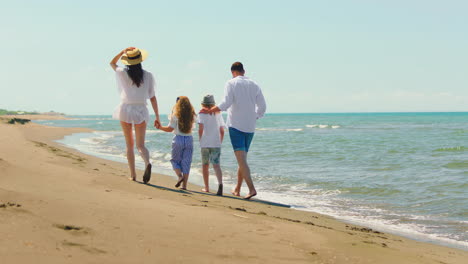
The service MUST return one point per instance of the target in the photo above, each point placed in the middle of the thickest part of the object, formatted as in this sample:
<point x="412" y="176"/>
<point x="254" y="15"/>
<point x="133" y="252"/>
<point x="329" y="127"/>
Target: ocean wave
<point x="457" y="165"/>
<point x="96" y="118"/>
<point x="361" y="190"/>
<point x="330" y="202"/>
<point x="154" y="131"/>
<point x="388" y="168"/>
<point x="107" y="133"/>
<point x="280" y="129"/>
<point x="99" y="137"/>
<point x="305" y="191"/>
<point x="452" y="149"/>
<point x="460" y="131"/>
<point x="323" y="126"/>
<point x="387" y="221"/>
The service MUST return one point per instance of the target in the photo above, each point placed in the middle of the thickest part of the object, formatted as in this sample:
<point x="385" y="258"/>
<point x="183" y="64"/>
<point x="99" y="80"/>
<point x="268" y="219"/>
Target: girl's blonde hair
<point x="185" y="114"/>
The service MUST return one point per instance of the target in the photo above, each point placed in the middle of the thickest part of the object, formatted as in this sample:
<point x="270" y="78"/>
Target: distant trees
<point x="9" y="112"/>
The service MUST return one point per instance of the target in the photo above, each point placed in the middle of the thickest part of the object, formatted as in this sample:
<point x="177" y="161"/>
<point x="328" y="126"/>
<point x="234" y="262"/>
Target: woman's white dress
<point x="132" y="108"/>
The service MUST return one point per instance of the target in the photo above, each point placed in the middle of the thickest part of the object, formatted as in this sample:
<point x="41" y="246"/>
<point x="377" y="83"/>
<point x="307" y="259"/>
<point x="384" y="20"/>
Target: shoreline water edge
<point x="105" y="144"/>
<point x="85" y="206"/>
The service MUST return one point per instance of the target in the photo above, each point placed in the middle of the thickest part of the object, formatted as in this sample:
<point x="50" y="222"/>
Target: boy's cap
<point x="208" y="100"/>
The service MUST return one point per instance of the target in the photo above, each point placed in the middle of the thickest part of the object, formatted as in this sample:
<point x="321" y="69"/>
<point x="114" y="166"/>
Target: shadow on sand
<point x="213" y="194"/>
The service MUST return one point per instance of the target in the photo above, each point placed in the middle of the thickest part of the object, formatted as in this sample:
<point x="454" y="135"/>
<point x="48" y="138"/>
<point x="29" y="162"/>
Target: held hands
<point x="157" y="124"/>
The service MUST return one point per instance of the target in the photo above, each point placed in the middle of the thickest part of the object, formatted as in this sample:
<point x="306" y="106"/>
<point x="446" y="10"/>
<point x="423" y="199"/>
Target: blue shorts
<point x="240" y="140"/>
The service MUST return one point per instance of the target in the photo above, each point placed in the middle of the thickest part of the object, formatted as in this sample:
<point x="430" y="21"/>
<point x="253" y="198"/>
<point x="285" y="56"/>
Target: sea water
<point x="404" y="173"/>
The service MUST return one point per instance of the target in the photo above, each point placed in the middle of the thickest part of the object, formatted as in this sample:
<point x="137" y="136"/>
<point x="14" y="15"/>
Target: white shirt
<point x="211" y="137"/>
<point x="244" y="101"/>
<point x="130" y="93"/>
<point x="174" y="123"/>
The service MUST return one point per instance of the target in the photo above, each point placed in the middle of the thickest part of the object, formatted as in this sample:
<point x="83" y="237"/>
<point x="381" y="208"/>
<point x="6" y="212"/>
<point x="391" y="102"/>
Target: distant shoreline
<point x="311" y="113"/>
<point x="36" y="117"/>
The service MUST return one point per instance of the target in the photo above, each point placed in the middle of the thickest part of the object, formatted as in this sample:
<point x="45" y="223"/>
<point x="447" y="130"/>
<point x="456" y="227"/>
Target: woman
<point x="135" y="86"/>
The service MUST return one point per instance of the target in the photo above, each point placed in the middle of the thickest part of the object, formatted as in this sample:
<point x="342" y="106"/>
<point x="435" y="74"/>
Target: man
<point x="244" y="102"/>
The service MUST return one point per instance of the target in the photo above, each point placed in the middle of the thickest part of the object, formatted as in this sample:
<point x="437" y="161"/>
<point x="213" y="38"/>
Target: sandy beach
<point x="61" y="206"/>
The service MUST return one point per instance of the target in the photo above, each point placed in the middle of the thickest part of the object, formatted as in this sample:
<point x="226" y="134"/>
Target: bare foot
<point x="205" y="190"/>
<point x="250" y="195"/>
<point x="179" y="182"/>
<point x="183" y="188"/>
<point x="220" y="190"/>
<point x="132" y="178"/>
<point x="147" y="175"/>
<point x="235" y="193"/>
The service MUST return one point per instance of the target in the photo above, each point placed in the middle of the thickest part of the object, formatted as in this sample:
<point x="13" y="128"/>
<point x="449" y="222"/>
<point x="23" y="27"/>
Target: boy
<point x="211" y="134"/>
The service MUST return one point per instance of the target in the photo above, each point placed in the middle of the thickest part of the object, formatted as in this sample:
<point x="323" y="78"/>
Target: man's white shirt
<point x="244" y="102"/>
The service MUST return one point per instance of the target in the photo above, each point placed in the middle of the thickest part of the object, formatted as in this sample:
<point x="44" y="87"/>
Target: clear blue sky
<point x="308" y="56"/>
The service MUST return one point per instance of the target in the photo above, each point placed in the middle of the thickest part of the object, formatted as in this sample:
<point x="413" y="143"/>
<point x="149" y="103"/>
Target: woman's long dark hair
<point x="135" y="72"/>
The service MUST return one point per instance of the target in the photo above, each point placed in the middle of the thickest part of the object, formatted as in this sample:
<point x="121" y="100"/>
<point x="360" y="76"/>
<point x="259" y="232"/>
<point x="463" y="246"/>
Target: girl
<point x="181" y="123"/>
<point x="135" y="86"/>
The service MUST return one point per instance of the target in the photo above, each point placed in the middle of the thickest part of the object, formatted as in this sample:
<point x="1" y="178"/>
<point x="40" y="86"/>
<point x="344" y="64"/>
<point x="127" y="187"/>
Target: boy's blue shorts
<point x="240" y="140"/>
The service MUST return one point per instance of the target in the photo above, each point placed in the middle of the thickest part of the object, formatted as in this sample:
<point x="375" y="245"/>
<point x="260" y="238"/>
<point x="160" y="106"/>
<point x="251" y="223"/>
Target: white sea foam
<point x="106" y="134"/>
<point x="154" y="131"/>
<point x="280" y="129"/>
<point x="99" y="137"/>
<point x="97" y="118"/>
<point x="322" y="126"/>
<point x="330" y="203"/>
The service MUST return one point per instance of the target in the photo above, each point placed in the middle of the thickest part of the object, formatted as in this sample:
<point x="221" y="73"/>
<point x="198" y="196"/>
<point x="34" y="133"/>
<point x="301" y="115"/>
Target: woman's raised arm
<point x="114" y="61"/>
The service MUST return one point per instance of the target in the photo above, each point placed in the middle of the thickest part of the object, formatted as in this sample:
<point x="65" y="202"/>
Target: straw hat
<point x="134" y="56"/>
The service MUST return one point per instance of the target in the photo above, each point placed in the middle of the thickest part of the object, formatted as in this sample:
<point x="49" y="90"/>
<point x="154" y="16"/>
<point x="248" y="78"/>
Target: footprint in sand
<point x="9" y="204"/>
<point x="83" y="247"/>
<point x="74" y="230"/>
<point x="3" y="163"/>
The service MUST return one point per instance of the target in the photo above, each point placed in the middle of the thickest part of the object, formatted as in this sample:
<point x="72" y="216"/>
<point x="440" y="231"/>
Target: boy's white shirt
<point x="211" y="137"/>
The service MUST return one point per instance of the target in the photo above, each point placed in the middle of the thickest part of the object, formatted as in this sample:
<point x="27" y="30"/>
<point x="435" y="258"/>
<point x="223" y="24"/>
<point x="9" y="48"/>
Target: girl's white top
<point x="132" y="108"/>
<point x="174" y="123"/>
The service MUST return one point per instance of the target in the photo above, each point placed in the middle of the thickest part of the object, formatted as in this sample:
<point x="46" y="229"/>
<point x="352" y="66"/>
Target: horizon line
<point x="285" y="113"/>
